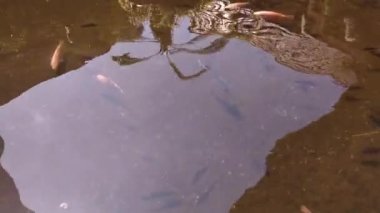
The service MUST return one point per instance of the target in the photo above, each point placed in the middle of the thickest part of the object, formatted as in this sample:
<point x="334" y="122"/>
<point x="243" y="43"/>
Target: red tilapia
<point x="272" y="16"/>
<point x="57" y="57"/>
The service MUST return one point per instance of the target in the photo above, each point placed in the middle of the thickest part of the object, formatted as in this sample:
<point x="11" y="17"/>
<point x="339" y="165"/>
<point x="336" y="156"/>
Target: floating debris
<point x="126" y="59"/>
<point x="348" y="30"/>
<point x="67" y="29"/>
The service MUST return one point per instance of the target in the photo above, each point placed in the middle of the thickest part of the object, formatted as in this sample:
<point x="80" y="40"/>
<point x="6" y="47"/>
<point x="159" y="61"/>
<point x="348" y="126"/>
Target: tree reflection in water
<point x="162" y="21"/>
<point x="301" y="52"/>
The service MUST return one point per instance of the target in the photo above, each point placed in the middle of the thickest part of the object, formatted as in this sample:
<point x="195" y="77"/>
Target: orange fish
<point x="237" y="5"/>
<point x="304" y="209"/>
<point x="104" y="80"/>
<point x="57" y="57"/>
<point x="272" y="16"/>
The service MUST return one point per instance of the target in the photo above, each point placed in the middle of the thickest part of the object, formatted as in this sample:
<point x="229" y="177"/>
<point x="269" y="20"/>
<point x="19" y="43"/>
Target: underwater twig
<point x="193" y="40"/>
<point x="214" y="47"/>
<point x="367" y="133"/>
<point x="67" y="29"/>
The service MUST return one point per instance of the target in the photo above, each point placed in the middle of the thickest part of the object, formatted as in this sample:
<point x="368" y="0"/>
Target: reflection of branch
<point x="193" y="40"/>
<point x="128" y="60"/>
<point x="179" y="73"/>
<point x="214" y="47"/>
<point x="147" y="40"/>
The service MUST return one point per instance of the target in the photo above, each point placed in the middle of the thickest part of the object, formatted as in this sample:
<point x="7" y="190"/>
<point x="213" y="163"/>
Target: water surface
<point x="149" y="140"/>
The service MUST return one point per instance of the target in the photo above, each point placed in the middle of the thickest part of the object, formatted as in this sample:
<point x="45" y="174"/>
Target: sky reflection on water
<point x="164" y="144"/>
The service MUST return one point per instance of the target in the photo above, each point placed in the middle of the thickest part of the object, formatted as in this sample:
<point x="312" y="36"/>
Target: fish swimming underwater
<point x="57" y="57"/>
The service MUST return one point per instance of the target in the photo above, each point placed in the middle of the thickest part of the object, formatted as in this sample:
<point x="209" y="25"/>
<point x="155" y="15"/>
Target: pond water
<point x="146" y="115"/>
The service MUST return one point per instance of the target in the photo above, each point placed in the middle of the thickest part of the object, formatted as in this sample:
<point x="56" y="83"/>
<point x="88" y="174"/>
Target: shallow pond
<point x="146" y="114"/>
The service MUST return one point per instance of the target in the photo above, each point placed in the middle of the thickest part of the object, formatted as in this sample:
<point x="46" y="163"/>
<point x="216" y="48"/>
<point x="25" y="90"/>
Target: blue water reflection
<point x="78" y="144"/>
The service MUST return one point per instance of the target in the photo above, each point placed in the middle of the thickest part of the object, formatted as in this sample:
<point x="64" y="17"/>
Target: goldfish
<point x="57" y="58"/>
<point x="272" y="16"/>
<point x="105" y="80"/>
<point x="304" y="209"/>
